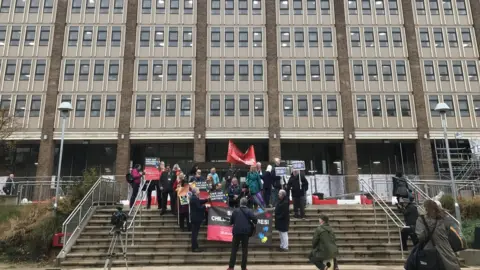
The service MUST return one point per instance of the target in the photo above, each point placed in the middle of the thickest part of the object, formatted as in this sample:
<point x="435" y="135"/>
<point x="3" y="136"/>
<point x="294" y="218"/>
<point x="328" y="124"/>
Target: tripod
<point x="117" y="234"/>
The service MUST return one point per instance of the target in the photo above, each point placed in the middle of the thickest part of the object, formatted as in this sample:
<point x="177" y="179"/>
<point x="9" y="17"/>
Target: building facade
<point x="347" y="84"/>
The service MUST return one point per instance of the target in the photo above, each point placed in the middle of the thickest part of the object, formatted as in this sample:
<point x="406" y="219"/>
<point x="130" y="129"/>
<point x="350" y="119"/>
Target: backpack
<point x="428" y="259"/>
<point x="456" y="238"/>
<point x="129" y="178"/>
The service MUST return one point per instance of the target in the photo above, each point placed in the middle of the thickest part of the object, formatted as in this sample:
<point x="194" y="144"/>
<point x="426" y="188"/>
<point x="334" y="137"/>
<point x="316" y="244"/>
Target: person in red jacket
<point x="137" y="179"/>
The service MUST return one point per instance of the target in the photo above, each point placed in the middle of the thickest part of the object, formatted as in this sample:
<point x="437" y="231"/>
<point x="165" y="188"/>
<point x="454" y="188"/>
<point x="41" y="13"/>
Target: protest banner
<point x="151" y="168"/>
<point x="218" y="199"/>
<point x="202" y="188"/>
<point x="280" y="171"/>
<point x="298" y="165"/>
<point x="219" y="228"/>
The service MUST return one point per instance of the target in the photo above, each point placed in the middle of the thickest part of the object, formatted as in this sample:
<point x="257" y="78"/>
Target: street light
<point x="442" y="108"/>
<point x="64" y="108"/>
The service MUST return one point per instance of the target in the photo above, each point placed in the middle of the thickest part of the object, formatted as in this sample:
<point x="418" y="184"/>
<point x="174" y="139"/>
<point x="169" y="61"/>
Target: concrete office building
<point x="349" y="85"/>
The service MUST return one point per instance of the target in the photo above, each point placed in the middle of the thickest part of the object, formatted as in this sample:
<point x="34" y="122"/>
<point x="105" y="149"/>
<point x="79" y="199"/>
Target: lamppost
<point x="64" y="108"/>
<point x="442" y="108"/>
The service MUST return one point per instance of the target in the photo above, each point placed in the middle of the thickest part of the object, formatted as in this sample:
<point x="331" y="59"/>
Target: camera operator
<point x="119" y="220"/>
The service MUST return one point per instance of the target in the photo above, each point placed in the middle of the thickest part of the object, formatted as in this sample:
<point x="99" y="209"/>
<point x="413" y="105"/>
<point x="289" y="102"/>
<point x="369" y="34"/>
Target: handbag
<point x="428" y="259"/>
<point x="456" y="238"/>
<point x="253" y="226"/>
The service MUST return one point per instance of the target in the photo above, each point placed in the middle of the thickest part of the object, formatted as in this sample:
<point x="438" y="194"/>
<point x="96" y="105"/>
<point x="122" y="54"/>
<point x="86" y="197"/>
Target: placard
<point x="151" y="168"/>
<point x="218" y="199"/>
<point x="280" y="171"/>
<point x="298" y="165"/>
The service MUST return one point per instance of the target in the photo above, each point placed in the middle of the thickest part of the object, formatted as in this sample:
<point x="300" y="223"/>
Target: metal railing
<point x="389" y="213"/>
<point x="103" y="192"/>
<point x="41" y="190"/>
<point x="132" y="214"/>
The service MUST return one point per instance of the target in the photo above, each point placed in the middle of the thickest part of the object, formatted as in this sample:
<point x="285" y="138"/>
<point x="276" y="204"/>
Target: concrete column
<point x="423" y="146"/>
<point x="199" y="142"/>
<point x="123" y="142"/>
<point x="475" y="9"/>
<point x="273" y="97"/>
<point x="122" y="165"/>
<point x="350" y="164"/>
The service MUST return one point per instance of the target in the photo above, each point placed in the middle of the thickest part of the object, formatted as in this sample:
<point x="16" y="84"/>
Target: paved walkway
<point x="266" y="267"/>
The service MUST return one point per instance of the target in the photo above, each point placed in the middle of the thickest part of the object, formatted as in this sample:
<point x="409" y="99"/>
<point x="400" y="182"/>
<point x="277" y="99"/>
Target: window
<point x="317" y="106"/>
<point x="393" y="7"/>
<point x="457" y="70"/>
<point x="111" y="106"/>
<point x="287" y="105"/>
<point x="5" y="104"/>
<point x="257" y="37"/>
<point x="327" y="37"/>
<point x="352" y="7"/>
<point x="84" y="70"/>
<point x="229" y="37"/>
<point x="366" y="8"/>
<point x="188" y="6"/>
<point x="215" y="71"/>
<point x="372" y="70"/>
<point x="157" y="70"/>
<point x="80" y="106"/>
<point x="160" y="7"/>
<point x="286" y="71"/>
<point x="376" y="106"/>
<point x="300" y="70"/>
<point x="424" y="37"/>
<point x="185" y="105"/>
<point x="361" y="106"/>
<point x="34" y="5"/>
<point x="87" y="36"/>
<point x="215" y="105"/>
<point x="462" y="9"/>
<point x="472" y="70"/>
<point x="69" y="70"/>
<point x="186" y="70"/>
<point x="95" y="106"/>
<point x="73" y="36"/>
<point x="215" y="7"/>
<point x="369" y="38"/>
<point x="187" y="36"/>
<point x="76" y="6"/>
<point x="476" y="105"/>
<point x="243" y="7"/>
<point x="391" y="106"/>
<point x="116" y="36"/>
<point x="355" y="37"/>
<point x="397" y="37"/>
<point x="174" y="6"/>
<point x="302" y="104"/>
<point x="155" y="106"/>
<point x="29" y="35"/>
<point x="405" y="105"/>
<point x="429" y="71"/>
<point x="256" y="7"/>
<point x="229" y="7"/>
<point x="383" y="36"/>
<point x="140" y="106"/>
<point x="229" y="105"/>
<point x="118" y="6"/>
<point x="102" y="36"/>
<point x="358" y="70"/>
<point x="438" y="37"/>
<point x="243" y="70"/>
<point x="5" y="6"/>
<point x="35" y="106"/>
<point x="285" y="37"/>
<point x="433" y="7"/>
<point x="229" y="70"/>
<point x="10" y="70"/>
<point x="329" y="70"/>
<point x="244" y="105"/>
<point x="20" y="105"/>
<point x="443" y="71"/>
<point x="379" y="7"/>
<point x="449" y="101"/>
<point x="25" y="70"/>
<point x="387" y="70"/>
<point x="15" y="35"/>
<point x="297" y="7"/>
<point x="146" y="6"/>
<point x="312" y="37"/>
<point x="215" y="37"/>
<point x="257" y="70"/>
<point x="145" y="37"/>
<point x="104" y="6"/>
<point x="48" y="6"/>
<point x="284" y="7"/>
<point x="40" y="70"/>
<point x="463" y="106"/>
<point x="243" y="37"/>
<point x="258" y="105"/>
<point x="325" y="6"/>
<point x="113" y="70"/>
<point x="314" y="70"/>
<point x="98" y="70"/>
<point x="311" y="7"/>
<point x="447" y="7"/>
<point x="332" y="105"/>
<point x="172" y="70"/>
<point x="90" y="7"/>
<point x="44" y="35"/>
<point x="452" y="37"/>
<point x="432" y="102"/>
<point x="466" y="38"/>
<point x="173" y="37"/>
<point x="3" y="34"/>
<point x="159" y="37"/>
<point x="401" y="70"/>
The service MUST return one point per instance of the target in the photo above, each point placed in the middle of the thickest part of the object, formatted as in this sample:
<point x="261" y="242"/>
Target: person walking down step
<point x="282" y="219"/>
<point x="197" y="212"/>
<point x="242" y="220"/>
<point x="324" y="246"/>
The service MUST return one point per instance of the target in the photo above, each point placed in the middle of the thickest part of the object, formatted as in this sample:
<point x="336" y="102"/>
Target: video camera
<point x="119" y="220"/>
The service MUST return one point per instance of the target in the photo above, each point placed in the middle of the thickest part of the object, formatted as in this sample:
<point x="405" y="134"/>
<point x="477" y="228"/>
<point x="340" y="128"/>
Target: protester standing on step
<point x="234" y="193"/>
<point x="137" y="180"/>
<point x="166" y="185"/>
<point x="282" y="219"/>
<point x="268" y="180"/>
<point x="254" y="183"/>
<point x="276" y="182"/>
<point x="410" y="216"/>
<point x="183" y="211"/>
<point x="197" y="212"/>
<point x="324" y="246"/>
<point x="298" y="185"/>
<point x="241" y="220"/>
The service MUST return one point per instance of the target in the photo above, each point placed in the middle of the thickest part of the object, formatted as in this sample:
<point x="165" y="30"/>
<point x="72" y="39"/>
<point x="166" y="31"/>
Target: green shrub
<point x="448" y="203"/>
<point x="470" y="208"/>
<point x="468" y="229"/>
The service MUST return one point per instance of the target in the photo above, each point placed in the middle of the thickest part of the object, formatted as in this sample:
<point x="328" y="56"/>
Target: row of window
<point x="299" y="36"/>
<point x="28" y="35"/>
<point x="377" y="103"/>
<point x="313" y="68"/>
<point x="84" y="69"/>
<point x="373" y="70"/>
<point x="445" y="68"/>
<point x="244" y="70"/>
<point x="33" y="6"/>
<point x="366" y="6"/>
<point x="242" y="7"/>
<point x="308" y="6"/>
<point x="97" y="35"/>
<point x="369" y="33"/>
<point x="20" y="109"/>
<point x="158" y="38"/>
<point x="447" y="6"/>
<point x="245" y="35"/>
<point x="230" y="105"/>
<point x="451" y="34"/>
<point x="156" y="67"/>
<point x="27" y="67"/>
<point x="90" y="6"/>
<point x="174" y="6"/>
<point x="316" y="102"/>
<point x="463" y="102"/>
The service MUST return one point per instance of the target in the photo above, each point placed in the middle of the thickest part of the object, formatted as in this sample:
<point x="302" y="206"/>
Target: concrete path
<point x="266" y="267"/>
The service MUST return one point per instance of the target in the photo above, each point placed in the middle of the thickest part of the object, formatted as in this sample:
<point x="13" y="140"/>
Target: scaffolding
<point x="465" y="164"/>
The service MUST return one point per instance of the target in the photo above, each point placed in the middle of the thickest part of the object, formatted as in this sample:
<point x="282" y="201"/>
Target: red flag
<point x="249" y="157"/>
<point x="235" y="156"/>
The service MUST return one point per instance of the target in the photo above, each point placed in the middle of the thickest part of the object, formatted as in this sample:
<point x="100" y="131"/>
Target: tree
<point x="8" y="125"/>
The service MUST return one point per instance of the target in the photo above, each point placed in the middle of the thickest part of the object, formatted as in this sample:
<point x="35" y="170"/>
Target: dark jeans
<point x="267" y="192"/>
<point x="408" y="232"/>
<point x="135" y="188"/>
<point x="165" y="200"/>
<point x="195" y="230"/>
<point x="237" y="239"/>
<point x="183" y="217"/>
<point x="299" y="206"/>
<point x="173" y="202"/>
<point x="153" y="186"/>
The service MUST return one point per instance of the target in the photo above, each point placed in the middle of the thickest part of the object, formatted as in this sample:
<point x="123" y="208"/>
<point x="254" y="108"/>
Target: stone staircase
<point x="159" y="241"/>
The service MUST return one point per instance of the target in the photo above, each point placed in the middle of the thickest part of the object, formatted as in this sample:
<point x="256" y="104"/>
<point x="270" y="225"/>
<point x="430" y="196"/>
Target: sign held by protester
<point x="298" y="165"/>
<point x="218" y="199"/>
<point x="151" y="168"/>
<point x="280" y="171"/>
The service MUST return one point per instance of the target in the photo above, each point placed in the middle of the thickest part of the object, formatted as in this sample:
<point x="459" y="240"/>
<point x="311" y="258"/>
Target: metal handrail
<point x="135" y="210"/>
<point x="388" y="212"/>
<point x="22" y="184"/>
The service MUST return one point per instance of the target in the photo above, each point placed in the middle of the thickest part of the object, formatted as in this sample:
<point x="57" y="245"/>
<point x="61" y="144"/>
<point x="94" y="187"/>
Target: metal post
<point x="454" y="188"/>
<point x="401" y="156"/>
<point x="64" y="117"/>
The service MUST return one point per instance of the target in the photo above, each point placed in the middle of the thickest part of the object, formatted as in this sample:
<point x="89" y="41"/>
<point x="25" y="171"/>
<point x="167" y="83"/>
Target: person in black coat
<point x="234" y="194"/>
<point x="231" y="173"/>
<point x="282" y="219"/>
<point x="268" y="180"/>
<point x="197" y="212"/>
<point x="276" y="182"/>
<point x="410" y="215"/>
<point x="241" y="220"/>
<point x="400" y="187"/>
<point x="166" y="186"/>
<point x="298" y="185"/>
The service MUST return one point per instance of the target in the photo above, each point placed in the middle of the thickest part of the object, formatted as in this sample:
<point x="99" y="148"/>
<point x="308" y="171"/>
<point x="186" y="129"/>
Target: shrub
<point x="470" y="208"/>
<point x="448" y="203"/>
<point x="468" y="229"/>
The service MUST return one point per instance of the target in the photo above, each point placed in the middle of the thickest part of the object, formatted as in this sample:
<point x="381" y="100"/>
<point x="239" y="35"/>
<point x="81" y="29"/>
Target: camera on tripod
<point x="119" y="220"/>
